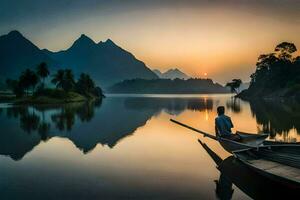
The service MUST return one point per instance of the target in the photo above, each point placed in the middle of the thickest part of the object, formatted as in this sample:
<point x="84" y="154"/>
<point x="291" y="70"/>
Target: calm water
<point x="126" y="148"/>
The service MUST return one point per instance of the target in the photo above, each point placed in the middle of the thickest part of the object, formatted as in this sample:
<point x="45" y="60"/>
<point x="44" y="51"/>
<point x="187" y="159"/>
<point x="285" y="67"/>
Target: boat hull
<point x="279" y="163"/>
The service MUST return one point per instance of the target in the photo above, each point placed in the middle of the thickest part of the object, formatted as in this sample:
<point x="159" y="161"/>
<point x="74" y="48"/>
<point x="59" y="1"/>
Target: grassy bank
<point x="49" y="96"/>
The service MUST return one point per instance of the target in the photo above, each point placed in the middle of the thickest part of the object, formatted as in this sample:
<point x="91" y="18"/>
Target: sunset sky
<point x="213" y="37"/>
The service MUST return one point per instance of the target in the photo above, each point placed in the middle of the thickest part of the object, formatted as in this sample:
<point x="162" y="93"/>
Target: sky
<point x="222" y="38"/>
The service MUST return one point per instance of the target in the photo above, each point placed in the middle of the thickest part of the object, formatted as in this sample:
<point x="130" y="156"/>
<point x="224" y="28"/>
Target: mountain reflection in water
<point x="126" y="147"/>
<point x="91" y="123"/>
<point x="116" y="119"/>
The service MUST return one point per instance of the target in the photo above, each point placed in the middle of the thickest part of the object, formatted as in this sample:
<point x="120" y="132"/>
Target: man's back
<point x="223" y="125"/>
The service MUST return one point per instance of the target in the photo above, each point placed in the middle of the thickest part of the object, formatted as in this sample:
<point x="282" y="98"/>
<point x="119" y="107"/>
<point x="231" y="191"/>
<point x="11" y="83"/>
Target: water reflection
<point x="116" y="119"/>
<point x="251" y="183"/>
<point x="234" y="104"/>
<point x="277" y="118"/>
<point x="91" y="123"/>
<point x="173" y="106"/>
<point x="129" y="147"/>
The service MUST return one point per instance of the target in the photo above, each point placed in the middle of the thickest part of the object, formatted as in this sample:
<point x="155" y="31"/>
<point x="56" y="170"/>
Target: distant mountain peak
<point x="174" y="70"/>
<point x="83" y="42"/>
<point x="109" y="42"/>
<point x="15" y="33"/>
<point x="85" y="39"/>
<point x="171" y="74"/>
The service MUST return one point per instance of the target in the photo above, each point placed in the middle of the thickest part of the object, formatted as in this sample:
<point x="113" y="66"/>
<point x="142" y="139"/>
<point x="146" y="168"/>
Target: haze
<point x="220" y="39"/>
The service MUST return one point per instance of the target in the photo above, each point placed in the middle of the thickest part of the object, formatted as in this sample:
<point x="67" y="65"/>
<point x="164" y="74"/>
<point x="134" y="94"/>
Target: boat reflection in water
<point x="256" y="186"/>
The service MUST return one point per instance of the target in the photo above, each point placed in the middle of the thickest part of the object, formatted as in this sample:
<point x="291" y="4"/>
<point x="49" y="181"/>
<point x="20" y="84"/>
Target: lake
<point x="125" y="147"/>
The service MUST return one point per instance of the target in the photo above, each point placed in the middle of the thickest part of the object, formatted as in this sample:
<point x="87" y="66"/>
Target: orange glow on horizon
<point x="221" y="41"/>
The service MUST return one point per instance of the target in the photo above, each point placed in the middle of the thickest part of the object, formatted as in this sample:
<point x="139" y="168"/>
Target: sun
<point x="205" y="74"/>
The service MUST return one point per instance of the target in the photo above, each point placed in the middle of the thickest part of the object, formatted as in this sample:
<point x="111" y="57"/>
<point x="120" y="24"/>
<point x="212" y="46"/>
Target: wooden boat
<point x="278" y="162"/>
<point x="246" y="141"/>
<point x="247" y="180"/>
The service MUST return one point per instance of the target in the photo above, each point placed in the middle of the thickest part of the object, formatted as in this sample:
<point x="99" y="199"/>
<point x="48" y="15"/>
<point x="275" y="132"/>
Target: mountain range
<point x="106" y="62"/>
<point x="171" y="74"/>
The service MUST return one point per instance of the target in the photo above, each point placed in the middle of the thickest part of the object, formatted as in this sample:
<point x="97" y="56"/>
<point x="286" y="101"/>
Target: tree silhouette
<point x="85" y="84"/>
<point x="64" y="79"/>
<point x="43" y="72"/>
<point x="58" y="78"/>
<point x="68" y="82"/>
<point x="234" y="85"/>
<point x="285" y="50"/>
<point x="28" y="79"/>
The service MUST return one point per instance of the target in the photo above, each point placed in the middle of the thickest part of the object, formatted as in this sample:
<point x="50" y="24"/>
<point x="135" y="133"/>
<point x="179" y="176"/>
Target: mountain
<point x="105" y="61"/>
<point x="171" y="74"/>
<point x="158" y="73"/>
<point x="17" y="53"/>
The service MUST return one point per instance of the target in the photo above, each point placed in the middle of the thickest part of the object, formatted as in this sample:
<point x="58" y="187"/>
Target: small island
<point x="31" y="87"/>
<point x="277" y="76"/>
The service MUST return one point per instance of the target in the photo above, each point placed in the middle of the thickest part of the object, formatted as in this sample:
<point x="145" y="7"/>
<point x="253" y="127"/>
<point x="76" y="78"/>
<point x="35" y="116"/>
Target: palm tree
<point x="42" y="71"/>
<point x="85" y="84"/>
<point x="234" y="85"/>
<point x="69" y="82"/>
<point x="28" y="79"/>
<point x="58" y="78"/>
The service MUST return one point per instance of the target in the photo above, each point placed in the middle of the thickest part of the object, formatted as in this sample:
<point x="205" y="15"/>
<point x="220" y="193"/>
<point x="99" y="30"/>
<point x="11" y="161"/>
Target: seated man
<point x="223" y="125"/>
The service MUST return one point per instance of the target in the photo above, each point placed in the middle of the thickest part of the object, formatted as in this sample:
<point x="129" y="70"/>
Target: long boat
<point x="247" y="140"/>
<point x="280" y="163"/>
<point x="250" y="182"/>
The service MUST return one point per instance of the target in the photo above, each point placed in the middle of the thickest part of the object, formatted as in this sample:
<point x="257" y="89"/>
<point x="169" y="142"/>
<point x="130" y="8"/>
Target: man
<point x="223" y="125"/>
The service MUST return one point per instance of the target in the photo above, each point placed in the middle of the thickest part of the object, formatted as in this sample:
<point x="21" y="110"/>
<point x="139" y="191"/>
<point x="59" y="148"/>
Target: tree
<point x="64" y="79"/>
<point x="85" y="84"/>
<point x="234" y="85"/>
<point x="69" y="82"/>
<point x="42" y="71"/>
<point x="285" y="50"/>
<point x="28" y="79"/>
<point x="58" y="78"/>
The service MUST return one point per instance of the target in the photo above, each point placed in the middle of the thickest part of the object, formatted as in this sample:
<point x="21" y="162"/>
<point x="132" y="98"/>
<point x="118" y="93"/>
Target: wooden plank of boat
<point x="278" y="162"/>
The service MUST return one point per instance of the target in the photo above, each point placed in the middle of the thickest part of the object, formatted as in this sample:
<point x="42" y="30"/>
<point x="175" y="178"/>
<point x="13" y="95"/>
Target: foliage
<point x="234" y="85"/>
<point x="69" y="82"/>
<point x="63" y="80"/>
<point x="276" y="70"/>
<point x="28" y="79"/>
<point x="42" y="71"/>
<point x="86" y="86"/>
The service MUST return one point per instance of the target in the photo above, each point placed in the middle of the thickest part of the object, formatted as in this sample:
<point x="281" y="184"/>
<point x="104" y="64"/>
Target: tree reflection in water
<point x="58" y="121"/>
<point x="114" y="120"/>
<point x="234" y="104"/>
<point x="276" y="117"/>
